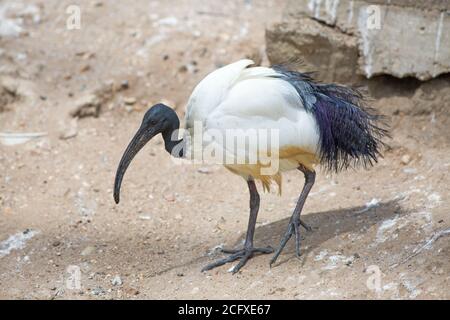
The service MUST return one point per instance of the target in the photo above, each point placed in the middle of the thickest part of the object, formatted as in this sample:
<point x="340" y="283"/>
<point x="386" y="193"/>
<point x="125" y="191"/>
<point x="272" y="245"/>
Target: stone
<point x="410" y="42"/>
<point x="16" y="16"/>
<point x="87" y="251"/>
<point x="406" y="159"/>
<point x="15" y="89"/>
<point x="131" y="291"/>
<point x="85" y="106"/>
<point x="330" y="53"/>
<point x="170" y="197"/>
<point x="98" y="291"/>
<point x="129" y="100"/>
<point x="116" y="281"/>
<point x="195" y="290"/>
<point x="69" y="130"/>
<point x="413" y="40"/>
<point x="204" y="170"/>
<point x="89" y="104"/>
<point x="124" y="85"/>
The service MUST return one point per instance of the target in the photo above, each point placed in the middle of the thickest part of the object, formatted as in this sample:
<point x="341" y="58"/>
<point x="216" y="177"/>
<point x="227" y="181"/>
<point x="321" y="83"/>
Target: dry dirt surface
<point x="380" y="233"/>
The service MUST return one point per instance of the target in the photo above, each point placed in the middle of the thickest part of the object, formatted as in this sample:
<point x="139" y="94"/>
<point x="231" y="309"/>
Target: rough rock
<point x="7" y="95"/>
<point x="401" y="38"/>
<point x="89" y="104"/>
<point x="85" y="106"/>
<point x="330" y="53"/>
<point x="98" y="291"/>
<point x="14" y="89"/>
<point x="87" y="251"/>
<point x="129" y="100"/>
<point x="117" y="281"/>
<point x="69" y="130"/>
<point x="14" y="16"/>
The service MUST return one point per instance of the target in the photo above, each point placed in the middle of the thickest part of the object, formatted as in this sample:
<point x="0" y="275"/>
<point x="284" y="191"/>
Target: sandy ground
<point x="381" y="233"/>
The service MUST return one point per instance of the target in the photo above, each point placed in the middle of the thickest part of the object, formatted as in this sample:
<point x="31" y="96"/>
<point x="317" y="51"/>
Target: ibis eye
<point x="153" y="122"/>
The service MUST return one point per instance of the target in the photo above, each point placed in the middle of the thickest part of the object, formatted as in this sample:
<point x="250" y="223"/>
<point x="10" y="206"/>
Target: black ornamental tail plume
<point x="351" y="132"/>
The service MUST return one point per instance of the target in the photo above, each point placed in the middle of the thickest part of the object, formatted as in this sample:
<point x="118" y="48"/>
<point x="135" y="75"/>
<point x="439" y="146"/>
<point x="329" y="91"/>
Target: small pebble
<point x="117" y="281"/>
<point x="406" y="159"/>
<point x="130" y="100"/>
<point x="87" y="251"/>
<point x="203" y="170"/>
<point x="124" y="85"/>
<point x="131" y="291"/>
<point x="195" y="290"/>
<point x="98" y="291"/>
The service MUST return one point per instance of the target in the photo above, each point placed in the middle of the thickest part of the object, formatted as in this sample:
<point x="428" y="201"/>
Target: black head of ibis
<point x="158" y="119"/>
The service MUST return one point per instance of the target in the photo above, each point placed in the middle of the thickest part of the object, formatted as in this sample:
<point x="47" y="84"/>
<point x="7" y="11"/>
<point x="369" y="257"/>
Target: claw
<point x="305" y="225"/>
<point x="293" y="228"/>
<point x="295" y="222"/>
<point x="243" y="254"/>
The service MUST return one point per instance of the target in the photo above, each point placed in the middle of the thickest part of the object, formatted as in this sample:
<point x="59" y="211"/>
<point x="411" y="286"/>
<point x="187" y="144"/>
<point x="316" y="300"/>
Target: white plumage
<point x="238" y="97"/>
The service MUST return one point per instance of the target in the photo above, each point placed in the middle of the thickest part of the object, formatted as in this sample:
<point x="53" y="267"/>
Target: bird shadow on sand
<point x="325" y="226"/>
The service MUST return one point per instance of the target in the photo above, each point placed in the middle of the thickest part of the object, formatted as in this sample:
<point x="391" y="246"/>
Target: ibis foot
<point x="243" y="255"/>
<point x="305" y="225"/>
<point x="295" y="222"/>
<point x="293" y="228"/>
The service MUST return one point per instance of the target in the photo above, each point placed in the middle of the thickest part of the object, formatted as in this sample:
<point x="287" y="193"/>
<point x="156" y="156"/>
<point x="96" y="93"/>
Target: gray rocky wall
<point x="349" y="40"/>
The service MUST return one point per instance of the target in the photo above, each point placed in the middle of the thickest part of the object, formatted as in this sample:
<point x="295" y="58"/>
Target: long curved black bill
<point x="139" y="140"/>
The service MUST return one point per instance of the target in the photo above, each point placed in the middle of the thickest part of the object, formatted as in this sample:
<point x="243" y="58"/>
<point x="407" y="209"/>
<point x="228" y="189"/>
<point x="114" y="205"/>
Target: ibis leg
<point x="295" y="222"/>
<point x="244" y="254"/>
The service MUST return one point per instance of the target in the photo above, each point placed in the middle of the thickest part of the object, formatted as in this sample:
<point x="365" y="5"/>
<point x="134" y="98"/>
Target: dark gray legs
<point x="295" y="222"/>
<point x="293" y="228"/>
<point x="248" y="251"/>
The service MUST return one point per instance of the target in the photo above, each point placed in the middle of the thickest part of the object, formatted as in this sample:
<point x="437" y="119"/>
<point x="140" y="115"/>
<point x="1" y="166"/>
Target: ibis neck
<point x="176" y="147"/>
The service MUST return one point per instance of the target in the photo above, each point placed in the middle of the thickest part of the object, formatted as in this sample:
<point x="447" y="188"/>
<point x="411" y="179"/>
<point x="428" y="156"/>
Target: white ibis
<point x="317" y="123"/>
